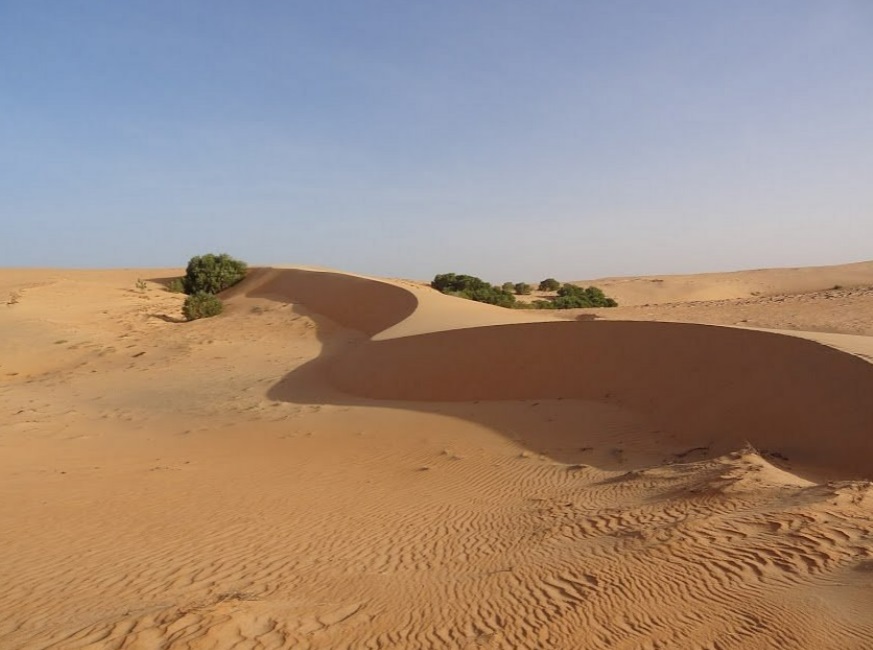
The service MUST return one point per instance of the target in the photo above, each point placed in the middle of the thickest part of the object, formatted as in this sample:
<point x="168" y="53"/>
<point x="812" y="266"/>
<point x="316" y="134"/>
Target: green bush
<point x="472" y="288"/>
<point x="453" y="283"/>
<point x="572" y="297"/>
<point x="212" y="273"/>
<point x="569" y="295"/>
<point x="176" y="285"/>
<point x="492" y="296"/>
<point x="202" y="305"/>
<point x="549" y="284"/>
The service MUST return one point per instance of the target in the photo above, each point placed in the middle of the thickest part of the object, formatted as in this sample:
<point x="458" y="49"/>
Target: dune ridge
<point x="381" y="309"/>
<point x="717" y="386"/>
<point x="354" y="302"/>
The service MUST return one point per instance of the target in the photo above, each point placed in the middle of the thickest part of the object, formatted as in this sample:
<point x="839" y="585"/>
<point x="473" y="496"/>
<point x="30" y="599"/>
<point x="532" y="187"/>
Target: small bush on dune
<point x="202" y="305"/>
<point x="176" y="285"/>
<point x="492" y="296"/>
<point x="572" y="297"/>
<point x="212" y="273"/>
<point x="205" y="276"/>
<point x="549" y="284"/>
<point x="522" y="289"/>
<point x="454" y="283"/>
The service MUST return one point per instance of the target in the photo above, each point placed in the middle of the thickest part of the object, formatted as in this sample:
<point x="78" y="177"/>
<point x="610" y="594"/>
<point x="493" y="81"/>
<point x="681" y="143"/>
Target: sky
<point x="509" y="139"/>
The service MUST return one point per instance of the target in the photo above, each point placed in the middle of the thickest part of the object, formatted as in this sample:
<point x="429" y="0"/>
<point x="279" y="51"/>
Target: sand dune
<point x="380" y="309"/>
<point x="345" y="462"/>
<point x="349" y="301"/>
<point x="661" y="289"/>
<point x="839" y="311"/>
<point x="713" y="386"/>
<point x="710" y="386"/>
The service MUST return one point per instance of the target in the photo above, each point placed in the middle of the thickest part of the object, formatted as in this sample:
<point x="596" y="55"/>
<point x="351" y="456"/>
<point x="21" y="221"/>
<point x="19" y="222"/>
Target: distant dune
<point x="660" y="289"/>
<point x="349" y="462"/>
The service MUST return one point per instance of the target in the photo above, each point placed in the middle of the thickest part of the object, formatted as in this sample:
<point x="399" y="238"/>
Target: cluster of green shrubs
<point x="473" y="288"/>
<point x="569" y="296"/>
<point x="572" y="297"/>
<point x="205" y="276"/>
<point x="518" y="288"/>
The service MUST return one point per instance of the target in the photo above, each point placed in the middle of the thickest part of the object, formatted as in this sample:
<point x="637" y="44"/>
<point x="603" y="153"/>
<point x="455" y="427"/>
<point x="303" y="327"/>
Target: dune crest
<point x="715" y="386"/>
<point x="350" y="301"/>
<point x="381" y="309"/>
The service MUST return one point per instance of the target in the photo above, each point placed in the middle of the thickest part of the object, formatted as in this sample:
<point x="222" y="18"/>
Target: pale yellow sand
<point x="338" y="462"/>
<point x="660" y="289"/>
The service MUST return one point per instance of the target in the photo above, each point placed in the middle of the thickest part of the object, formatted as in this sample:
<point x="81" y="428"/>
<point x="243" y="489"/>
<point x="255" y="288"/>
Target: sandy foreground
<point x="343" y="462"/>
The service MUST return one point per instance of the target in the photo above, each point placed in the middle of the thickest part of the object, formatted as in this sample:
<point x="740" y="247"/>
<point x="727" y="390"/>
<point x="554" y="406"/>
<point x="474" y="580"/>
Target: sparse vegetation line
<point x="567" y="296"/>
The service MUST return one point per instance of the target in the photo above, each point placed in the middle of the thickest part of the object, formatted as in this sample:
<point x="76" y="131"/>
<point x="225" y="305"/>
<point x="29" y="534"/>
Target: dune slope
<point x="704" y="385"/>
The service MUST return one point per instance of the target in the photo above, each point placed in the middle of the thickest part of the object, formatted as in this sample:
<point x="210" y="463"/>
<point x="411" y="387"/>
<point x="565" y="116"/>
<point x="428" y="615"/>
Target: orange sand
<point x="343" y="462"/>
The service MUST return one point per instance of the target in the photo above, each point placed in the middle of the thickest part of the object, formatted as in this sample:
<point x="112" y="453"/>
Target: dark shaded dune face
<point x="356" y="303"/>
<point x="697" y="383"/>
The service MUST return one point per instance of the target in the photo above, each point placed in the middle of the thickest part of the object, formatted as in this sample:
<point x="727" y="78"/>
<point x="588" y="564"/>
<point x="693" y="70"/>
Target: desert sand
<point x="348" y="462"/>
<point x="707" y="287"/>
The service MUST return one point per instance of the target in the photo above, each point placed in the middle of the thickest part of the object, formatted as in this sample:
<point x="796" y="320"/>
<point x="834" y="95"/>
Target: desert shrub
<point x="568" y="290"/>
<point x="202" y="305"/>
<point x="508" y="287"/>
<point x="569" y="295"/>
<point x="453" y="283"/>
<point x="472" y="288"/>
<point x="522" y="289"/>
<point x="549" y="284"/>
<point x="176" y="285"/>
<point x="572" y="297"/>
<point x="569" y="302"/>
<point x="212" y="273"/>
<point x="492" y="296"/>
<point x="141" y="285"/>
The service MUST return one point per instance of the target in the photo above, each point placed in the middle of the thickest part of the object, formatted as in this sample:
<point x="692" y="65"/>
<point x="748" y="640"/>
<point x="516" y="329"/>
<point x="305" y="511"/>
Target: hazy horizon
<point x="508" y="140"/>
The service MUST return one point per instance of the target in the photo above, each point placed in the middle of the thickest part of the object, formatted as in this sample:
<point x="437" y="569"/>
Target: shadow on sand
<point x="684" y="389"/>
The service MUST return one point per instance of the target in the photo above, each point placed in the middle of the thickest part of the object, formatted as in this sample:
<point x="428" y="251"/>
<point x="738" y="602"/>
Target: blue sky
<point x="508" y="139"/>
